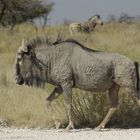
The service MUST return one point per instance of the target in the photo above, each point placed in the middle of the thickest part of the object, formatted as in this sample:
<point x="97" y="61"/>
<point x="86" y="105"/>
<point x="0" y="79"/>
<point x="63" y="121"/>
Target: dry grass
<point x="23" y="106"/>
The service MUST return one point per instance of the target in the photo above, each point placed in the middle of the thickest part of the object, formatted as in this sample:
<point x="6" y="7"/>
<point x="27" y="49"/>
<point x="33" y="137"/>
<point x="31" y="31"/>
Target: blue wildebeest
<point x="87" y="26"/>
<point x="68" y="64"/>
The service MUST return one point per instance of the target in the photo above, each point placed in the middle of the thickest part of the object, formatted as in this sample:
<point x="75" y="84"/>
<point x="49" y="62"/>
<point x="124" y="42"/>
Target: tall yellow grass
<point x="25" y="107"/>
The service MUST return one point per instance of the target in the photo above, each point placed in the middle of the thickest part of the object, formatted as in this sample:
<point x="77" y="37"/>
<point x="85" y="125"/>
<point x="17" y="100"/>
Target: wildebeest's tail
<point x="137" y="75"/>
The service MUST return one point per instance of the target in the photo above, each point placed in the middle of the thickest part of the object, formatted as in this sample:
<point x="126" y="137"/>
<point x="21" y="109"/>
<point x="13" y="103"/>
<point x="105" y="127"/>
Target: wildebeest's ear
<point x="23" y="47"/>
<point x="59" y="39"/>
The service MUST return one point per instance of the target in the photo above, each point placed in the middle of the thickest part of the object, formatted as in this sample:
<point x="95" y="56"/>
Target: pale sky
<point x="81" y="10"/>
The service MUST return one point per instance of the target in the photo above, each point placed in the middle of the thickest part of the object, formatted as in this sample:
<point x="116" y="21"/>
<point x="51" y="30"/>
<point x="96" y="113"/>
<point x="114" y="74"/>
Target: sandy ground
<point x="61" y="134"/>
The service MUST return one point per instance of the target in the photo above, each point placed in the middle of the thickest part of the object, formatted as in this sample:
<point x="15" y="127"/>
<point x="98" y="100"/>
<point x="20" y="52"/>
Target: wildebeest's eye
<point x="18" y="59"/>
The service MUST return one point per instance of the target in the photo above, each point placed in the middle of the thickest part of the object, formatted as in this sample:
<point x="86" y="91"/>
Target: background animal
<point x="68" y="64"/>
<point x="86" y="27"/>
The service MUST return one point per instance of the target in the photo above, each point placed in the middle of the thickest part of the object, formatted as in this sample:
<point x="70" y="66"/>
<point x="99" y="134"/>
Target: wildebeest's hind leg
<point x="138" y="101"/>
<point x="55" y="94"/>
<point x="67" y="90"/>
<point x="113" y="95"/>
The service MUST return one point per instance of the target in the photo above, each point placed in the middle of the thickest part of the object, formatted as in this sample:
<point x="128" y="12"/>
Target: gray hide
<point x="70" y="65"/>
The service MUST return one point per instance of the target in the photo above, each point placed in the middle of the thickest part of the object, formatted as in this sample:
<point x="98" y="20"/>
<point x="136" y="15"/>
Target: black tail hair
<point x="137" y="75"/>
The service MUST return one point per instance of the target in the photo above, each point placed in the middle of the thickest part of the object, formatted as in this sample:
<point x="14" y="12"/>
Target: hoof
<point x="70" y="127"/>
<point x="99" y="128"/>
<point x="57" y="124"/>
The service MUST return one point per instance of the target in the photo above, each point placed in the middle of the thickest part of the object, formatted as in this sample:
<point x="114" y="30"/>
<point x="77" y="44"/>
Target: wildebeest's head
<point x="96" y="19"/>
<point x="26" y="70"/>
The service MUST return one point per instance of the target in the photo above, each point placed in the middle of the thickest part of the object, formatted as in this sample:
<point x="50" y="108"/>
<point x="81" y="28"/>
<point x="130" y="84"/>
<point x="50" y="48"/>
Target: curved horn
<point x="23" y="47"/>
<point x="23" y="42"/>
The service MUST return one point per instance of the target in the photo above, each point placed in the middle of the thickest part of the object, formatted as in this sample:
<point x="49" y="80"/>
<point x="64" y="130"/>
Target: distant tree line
<point x="124" y="17"/>
<point x="13" y="12"/>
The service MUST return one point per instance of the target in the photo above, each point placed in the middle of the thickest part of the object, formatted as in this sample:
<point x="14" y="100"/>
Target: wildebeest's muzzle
<point x="19" y="80"/>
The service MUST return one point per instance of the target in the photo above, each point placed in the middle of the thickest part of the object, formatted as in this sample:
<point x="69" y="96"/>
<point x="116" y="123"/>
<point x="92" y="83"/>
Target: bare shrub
<point x="111" y="18"/>
<point x="125" y="18"/>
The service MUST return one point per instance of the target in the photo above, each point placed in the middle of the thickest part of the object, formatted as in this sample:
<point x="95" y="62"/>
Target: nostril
<point x="18" y="77"/>
<point x="19" y="80"/>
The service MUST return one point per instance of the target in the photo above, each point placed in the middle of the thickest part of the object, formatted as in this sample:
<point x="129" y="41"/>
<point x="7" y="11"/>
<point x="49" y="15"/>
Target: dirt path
<point x="79" y="134"/>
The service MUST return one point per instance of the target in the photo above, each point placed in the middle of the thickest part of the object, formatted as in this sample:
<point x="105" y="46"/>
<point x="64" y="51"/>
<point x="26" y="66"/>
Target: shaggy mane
<point x="45" y="41"/>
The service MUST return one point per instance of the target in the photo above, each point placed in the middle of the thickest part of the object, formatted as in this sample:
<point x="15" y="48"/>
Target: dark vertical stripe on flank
<point x="137" y="74"/>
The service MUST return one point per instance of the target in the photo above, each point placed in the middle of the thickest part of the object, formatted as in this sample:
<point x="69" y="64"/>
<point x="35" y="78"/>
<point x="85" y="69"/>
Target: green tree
<point x="14" y="12"/>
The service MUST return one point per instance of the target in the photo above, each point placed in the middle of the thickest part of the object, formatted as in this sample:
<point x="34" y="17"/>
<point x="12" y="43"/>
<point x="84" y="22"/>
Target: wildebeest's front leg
<point x="67" y="90"/>
<point x="113" y="95"/>
<point x="55" y="94"/>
